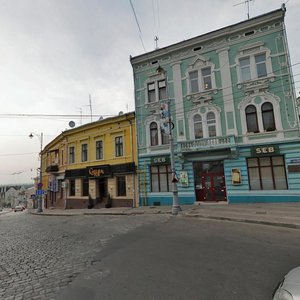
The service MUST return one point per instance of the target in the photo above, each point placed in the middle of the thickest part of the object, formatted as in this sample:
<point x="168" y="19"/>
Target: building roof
<point x="231" y="29"/>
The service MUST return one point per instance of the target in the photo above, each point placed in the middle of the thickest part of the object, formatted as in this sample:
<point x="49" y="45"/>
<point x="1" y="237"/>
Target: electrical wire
<point x="138" y="25"/>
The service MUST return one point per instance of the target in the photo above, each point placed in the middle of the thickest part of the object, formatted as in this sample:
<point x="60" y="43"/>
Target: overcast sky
<point x="55" y="53"/>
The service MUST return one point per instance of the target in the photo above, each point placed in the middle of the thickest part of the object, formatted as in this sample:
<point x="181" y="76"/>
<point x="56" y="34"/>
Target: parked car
<point x="289" y="287"/>
<point x="19" y="208"/>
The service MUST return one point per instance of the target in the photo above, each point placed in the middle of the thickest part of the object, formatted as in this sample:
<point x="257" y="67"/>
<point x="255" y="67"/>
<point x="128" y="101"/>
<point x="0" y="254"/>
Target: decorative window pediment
<point x="200" y="77"/>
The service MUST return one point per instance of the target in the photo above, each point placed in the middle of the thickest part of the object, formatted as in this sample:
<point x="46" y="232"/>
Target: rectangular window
<point x="245" y="68"/>
<point x="84" y="152"/>
<point x="267" y="173"/>
<point x="99" y="150"/>
<point x="261" y="68"/>
<point x="121" y="186"/>
<point x="206" y="78"/>
<point x="71" y="187"/>
<point x="161" y="178"/>
<point x="194" y="82"/>
<point x="85" y="186"/>
<point x="162" y="90"/>
<point x="71" y="155"/>
<point x="119" y="146"/>
<point x="151" y="92"/>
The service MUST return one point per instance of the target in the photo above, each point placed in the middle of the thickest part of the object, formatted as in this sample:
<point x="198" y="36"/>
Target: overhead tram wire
<point x="41" y="116"/>
<point x="138" y="25"/>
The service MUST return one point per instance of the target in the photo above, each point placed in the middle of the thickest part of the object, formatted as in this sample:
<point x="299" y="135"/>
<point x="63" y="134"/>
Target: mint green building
<point x="228" y="97"/>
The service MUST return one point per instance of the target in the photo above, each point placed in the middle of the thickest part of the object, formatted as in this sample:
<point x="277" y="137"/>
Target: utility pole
<point x="167" y="114"/>
<point x="40" y="183"/>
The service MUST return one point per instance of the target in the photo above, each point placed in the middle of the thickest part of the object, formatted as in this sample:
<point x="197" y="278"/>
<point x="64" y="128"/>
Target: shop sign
<point x="265" y="150"/>
<point x="294" y="168"/>
<point x="184" y="179"/>
<point x="236" y="176"/>
<point x="295" y="161"/>
<point x="161" y="160"/>
<point x="99" y="171"/>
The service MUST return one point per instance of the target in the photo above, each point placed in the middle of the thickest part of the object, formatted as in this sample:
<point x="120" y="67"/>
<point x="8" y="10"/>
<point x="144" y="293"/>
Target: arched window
<point x="251" y="119"/>
<point x="153" y="134"/>
<point x="198" y="128"/>
<point x="268" y="116"/>
<point x="211" y="124"/>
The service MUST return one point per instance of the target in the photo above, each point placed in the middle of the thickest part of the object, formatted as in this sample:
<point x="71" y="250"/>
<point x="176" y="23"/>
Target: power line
<point x="3" y="115"/>
<point x="138" y="25"/>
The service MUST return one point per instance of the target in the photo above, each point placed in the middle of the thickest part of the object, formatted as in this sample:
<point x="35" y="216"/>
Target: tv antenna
<point x="156" y="42"/>
<point x="248" y="8"/>
<point x="80" y="110"/>
<point x="90" y="105"/>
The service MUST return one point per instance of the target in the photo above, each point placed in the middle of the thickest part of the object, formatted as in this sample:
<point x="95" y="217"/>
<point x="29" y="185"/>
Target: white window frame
<point x="198" y="66"/>
<point x="159" y="132"/>
<point x="252" y="100"/>
<point x="157" y="82"/>
<point x="252" y="53"/>
<point x="204" y="122"/>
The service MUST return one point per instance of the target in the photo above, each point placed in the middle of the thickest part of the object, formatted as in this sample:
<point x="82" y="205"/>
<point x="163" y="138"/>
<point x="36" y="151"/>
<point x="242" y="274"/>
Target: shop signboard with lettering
<point x="100" y="171"/>
<point x="267" y="150"/>
<point x="160" y="160"/>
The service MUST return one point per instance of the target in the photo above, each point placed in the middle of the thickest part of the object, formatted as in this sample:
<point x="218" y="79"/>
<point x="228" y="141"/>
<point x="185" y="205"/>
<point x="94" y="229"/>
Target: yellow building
<point x="93" y="165"/>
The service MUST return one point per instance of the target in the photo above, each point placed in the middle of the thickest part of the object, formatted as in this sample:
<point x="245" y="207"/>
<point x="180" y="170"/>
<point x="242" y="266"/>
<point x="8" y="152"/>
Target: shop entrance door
<point x="102" y="188"/>
<point x="213" y="187"/>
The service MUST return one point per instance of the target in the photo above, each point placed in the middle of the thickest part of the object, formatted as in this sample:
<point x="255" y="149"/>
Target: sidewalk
<point x="276" y="214"/>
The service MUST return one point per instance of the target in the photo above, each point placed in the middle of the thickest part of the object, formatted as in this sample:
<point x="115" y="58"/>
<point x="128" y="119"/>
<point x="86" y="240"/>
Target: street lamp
<point x="40" y="185"/>
<point x="175" y="207"/>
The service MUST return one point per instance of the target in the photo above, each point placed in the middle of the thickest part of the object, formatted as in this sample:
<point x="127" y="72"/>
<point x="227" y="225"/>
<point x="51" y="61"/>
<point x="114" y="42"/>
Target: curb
<point x="269" y="223"/>
<point x="100" y="214"/>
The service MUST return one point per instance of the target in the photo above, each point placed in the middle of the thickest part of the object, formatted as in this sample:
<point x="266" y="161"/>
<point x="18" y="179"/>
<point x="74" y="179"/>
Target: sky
<point x="60" y="60"/>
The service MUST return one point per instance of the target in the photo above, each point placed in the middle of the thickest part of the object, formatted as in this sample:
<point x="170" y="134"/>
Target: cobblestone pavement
<point x="39" y="256"/>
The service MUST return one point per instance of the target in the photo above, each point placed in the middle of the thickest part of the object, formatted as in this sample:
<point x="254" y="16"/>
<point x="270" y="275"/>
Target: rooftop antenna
<point x="90" y="105"/>
<point x="80" y="109"/>
<point x="248" y="9"/>
<point x="156" y="42"/>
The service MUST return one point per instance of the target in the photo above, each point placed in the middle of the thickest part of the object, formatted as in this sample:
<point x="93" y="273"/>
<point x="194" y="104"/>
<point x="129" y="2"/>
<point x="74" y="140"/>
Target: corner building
<point x="93" y="165"/>
<point x="230" y="97"/>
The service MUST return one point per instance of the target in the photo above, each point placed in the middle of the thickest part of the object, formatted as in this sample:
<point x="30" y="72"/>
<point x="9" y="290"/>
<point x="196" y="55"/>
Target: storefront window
<point x="85" y="187"/>
<point x="71" y="187"/>
<point x="161" y="178"/>
<point x="121" y="186"/>
<point x="267" y="173"/>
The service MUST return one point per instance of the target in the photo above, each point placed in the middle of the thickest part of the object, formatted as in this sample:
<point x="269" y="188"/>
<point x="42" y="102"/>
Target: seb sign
<point x="267" y="150"/>
<point x="161" y="160"/>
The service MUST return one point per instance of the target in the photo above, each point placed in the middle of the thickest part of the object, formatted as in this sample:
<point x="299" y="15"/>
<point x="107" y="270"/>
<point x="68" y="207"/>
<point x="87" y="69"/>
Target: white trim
<point x="203" y="110"/>
<point x="251" y="100"/>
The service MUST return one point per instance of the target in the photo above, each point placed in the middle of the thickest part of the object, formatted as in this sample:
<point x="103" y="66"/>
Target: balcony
<point x="214" y="143"/>
<point x="52" y="169"/>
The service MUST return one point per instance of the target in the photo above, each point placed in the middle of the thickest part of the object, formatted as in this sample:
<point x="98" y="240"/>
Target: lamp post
<point x="175" y="206"/>
<point x="40" y="184"/>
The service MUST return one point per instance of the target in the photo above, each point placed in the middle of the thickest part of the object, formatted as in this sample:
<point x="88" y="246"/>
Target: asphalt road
<point x="190" y="259"/>
<point x="141" y="257"/>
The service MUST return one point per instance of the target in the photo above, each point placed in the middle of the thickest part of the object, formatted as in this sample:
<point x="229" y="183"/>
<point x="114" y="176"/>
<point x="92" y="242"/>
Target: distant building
<point x="10" y="196"/>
